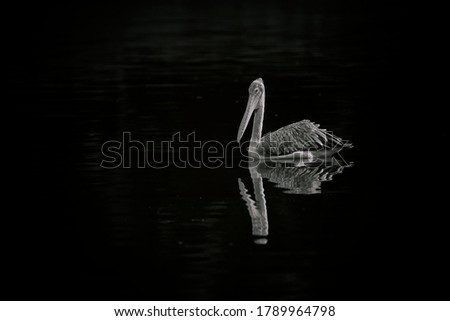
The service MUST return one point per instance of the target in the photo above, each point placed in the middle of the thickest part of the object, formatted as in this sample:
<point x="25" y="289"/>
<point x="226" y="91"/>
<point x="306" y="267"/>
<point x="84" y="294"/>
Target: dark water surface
<point x="157" y="69"/>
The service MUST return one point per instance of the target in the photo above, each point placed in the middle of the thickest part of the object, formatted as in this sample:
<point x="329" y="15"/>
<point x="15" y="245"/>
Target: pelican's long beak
<point x="251" y="106"/>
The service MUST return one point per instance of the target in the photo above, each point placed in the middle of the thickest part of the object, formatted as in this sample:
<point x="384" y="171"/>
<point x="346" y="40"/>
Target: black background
<point x="60" y="56"/>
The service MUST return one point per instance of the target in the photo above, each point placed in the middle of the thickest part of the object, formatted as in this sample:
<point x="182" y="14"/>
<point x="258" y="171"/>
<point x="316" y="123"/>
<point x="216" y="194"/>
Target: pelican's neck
<point x="258" y="122"/>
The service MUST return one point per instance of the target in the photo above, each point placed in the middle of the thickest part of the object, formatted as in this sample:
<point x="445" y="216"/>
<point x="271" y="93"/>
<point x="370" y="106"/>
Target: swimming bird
<point x="300" y="139"/>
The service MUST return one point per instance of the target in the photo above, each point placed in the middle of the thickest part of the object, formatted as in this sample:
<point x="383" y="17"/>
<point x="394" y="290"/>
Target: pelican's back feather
<point x="302" y="135"/>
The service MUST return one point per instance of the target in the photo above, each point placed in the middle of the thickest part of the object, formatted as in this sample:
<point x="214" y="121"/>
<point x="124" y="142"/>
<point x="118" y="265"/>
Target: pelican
<point x="301" y="139"/>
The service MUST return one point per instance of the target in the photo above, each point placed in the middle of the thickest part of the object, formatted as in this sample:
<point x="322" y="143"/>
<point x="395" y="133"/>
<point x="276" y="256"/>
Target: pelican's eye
<point x="256" y="90"/>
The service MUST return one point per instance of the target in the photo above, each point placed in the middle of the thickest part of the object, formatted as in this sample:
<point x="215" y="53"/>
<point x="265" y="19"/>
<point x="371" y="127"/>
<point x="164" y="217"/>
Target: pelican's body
<point x="302" y="139"/>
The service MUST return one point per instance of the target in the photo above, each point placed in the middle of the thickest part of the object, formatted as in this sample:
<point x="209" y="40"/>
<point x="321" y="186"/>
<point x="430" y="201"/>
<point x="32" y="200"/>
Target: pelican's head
<point x="255" y="101"/>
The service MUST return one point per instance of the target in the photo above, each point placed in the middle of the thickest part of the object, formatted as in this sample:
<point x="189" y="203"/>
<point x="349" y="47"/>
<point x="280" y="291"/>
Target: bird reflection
<point x="295" y="177"/>
<point x="258" y="209"/>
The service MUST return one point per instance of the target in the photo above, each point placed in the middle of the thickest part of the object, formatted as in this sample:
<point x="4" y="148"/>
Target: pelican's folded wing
<point x="302" y="135"/>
